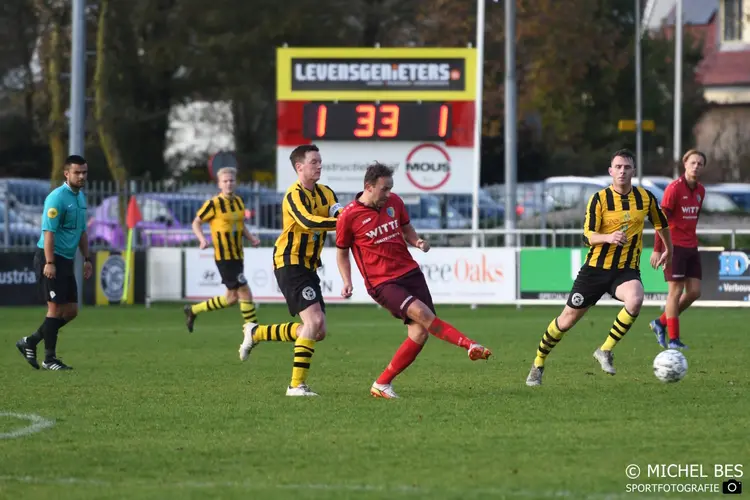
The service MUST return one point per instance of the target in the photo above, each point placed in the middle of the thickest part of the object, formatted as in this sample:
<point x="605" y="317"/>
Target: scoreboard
<point x="409" y="108"/>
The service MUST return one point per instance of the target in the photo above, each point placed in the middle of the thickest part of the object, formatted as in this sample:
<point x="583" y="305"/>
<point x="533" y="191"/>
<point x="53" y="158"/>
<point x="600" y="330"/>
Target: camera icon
<point x="731" y="487"/>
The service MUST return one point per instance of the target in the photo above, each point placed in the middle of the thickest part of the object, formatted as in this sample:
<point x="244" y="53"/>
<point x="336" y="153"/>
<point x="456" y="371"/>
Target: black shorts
<point x="686" y="263"/>
<point x="300" y="287"/>
<point x="591" y="283"/>
<point x="232" y="273"/>
<point x="64" y="288"/>
<point x="397" y="295"/>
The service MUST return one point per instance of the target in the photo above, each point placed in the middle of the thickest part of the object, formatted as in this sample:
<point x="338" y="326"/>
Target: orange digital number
<point x="389" y="120"/>
<point x="320" y="126"/>
<point x="443" y="121"/>
<point x="365" y="120"/>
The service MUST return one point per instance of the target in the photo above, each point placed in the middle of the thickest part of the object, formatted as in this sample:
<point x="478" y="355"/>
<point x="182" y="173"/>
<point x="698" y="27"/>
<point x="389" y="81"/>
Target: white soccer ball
<point x="670" y="366"/>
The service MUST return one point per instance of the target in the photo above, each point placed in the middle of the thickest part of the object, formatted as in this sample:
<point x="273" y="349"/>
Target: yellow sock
<point x="284" y="332"/>
<point x="620" y="327"/>
<point x="247" y="308"/>
<point x="219" y="302"/>
<point x="303" y="352"/>
<point x="551" y="337"/>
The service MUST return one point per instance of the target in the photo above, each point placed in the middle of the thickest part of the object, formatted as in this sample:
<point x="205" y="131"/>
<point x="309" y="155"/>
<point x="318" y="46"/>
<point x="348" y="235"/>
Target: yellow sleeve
<point x="207" y="211"/>
<point x="302" y="215"/>
<point x="655" y="213"/>
<point x="593" y="220"/>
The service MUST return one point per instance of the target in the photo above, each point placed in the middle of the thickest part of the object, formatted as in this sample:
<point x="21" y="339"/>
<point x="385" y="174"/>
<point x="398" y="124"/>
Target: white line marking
<point x="499" y="493"/>
<point x="37" y="424"/>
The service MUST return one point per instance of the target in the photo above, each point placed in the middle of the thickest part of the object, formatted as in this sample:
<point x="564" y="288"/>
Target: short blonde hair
<point x="226" y="170"/>
<point x="692" y="152"/>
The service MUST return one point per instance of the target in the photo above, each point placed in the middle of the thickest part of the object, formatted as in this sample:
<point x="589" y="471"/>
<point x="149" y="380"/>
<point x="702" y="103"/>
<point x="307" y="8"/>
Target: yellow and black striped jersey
<point x="306" y="218"/>
<point x="225" y="215"/>
<point x="608" y="212"/>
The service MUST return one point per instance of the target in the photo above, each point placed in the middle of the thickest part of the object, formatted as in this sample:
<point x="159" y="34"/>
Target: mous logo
<point x="428" y="167"/>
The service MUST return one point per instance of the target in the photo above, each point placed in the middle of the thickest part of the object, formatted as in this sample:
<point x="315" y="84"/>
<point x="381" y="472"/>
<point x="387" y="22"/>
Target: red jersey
<point x="376" y="239"/>
<point x="682" y="206"/>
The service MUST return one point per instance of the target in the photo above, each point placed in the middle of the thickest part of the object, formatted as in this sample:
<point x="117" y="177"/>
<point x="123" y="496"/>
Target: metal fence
<point x="546" y="216"/>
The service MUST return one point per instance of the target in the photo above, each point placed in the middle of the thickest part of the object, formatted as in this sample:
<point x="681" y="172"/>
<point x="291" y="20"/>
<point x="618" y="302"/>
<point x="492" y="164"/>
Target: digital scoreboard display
<point x="373" y="121"/>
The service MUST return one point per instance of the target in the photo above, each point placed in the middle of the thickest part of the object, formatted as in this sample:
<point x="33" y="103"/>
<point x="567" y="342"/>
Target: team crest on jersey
<point x="698" y="197"/>
<point x="391" y="212"/>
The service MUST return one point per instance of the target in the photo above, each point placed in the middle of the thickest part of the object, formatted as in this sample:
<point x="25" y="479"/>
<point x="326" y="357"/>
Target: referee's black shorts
<point x="300" y="287"/>
<point x="63" y="289"/>
<point x="593" y="282"/>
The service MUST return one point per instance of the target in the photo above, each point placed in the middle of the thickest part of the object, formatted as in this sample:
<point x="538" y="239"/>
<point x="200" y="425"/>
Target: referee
<point x="63" y="231"/>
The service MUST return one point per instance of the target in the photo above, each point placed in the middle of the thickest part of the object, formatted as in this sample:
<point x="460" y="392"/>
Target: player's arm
<point x="413" y="239"/>
<point x="83" y="246"/>
<point x="53" y="212"/>
<point x="344" y="241"/>
<point x="668" y="208"/>
<point x="592" y="224"/>
<point x="303" y="217"/>
<point x="205" y="214"/>
<point x="336" y="208"/>
<point x="659" y="221"/>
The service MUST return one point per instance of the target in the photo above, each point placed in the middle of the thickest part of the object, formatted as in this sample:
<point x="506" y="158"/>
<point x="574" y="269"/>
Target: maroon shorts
<point x="686" y="263"/>
<point x="396" y="295"/>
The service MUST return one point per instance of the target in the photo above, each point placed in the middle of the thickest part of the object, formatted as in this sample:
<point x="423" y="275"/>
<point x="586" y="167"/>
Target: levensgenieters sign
<point x="409" y="74"/>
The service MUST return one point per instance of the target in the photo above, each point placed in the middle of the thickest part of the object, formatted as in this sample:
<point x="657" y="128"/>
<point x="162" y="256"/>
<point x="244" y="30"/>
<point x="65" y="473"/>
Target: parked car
<point x="738" y="192"/>
<point x="490" y="211"/>
<point x="14" y="231"/>
<point x="160" y="211"/>
<point x="425" y="212"/>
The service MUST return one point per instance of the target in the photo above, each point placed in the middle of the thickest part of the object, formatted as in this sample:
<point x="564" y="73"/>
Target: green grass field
<point x="154" y="412"/>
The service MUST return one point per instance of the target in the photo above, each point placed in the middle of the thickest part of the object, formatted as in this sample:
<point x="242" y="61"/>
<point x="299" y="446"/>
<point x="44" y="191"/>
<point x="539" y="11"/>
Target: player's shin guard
<point x="303" y="352"/>
<point x="620" y="327"/>
<point x="405" y="356"/>
<point x="446" y="331"/>
<point x="550" y="339"/>
<point x="214" y="304"/>
<point x="50" y="329"/>
<point x="247" y="308"/>
<point x="284" y="332"/>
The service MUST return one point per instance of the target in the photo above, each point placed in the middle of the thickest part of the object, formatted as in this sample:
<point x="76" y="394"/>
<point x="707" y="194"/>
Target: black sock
<point x="49" y="329"/>
<point x="36" y="337"/>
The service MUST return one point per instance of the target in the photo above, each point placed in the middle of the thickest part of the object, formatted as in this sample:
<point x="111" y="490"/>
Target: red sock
<point x="447" y="332"/>
<point x="663" y="319"/>
<point x="673" y="328"/>
<point x="405" y="356"/>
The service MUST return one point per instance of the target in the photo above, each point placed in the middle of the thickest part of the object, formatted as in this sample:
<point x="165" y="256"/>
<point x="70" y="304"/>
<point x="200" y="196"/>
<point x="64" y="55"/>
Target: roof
<point x="725" y="68"/>
<point x="693" y="12"/>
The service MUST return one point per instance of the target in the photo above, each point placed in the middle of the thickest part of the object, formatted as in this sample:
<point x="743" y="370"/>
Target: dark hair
<point x="375" y="172"/>
<point x="73" y="160"/>
<point x="625" y="153"/>
<point x="299" y="153"/>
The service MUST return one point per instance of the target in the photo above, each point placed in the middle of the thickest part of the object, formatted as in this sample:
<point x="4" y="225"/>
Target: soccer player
<point x="375" y="226"/>
<point x="309" y="211"/>
<point x="613" y="231"/>
<point x="63" y="231"/>
<point x="225" y="214"/>
<point x="681" y="204"/>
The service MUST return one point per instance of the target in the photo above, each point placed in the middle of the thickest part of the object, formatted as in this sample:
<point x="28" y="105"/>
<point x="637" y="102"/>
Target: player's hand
<point x="88" y="270"/>
<point x="423" y="245"/>
<point x="665" y="260"/>
<point x="254" y="240"/>
<point x="203" y="244"/>
<point x="346" y="292"/>
<point x="617" y="238"/>
<point x="49" y="271"/>
<point x="655" y="258"/>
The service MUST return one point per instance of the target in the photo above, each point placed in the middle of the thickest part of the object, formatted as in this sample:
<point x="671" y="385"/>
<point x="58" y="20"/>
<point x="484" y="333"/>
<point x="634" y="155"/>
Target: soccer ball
<point x="670" y="366"/>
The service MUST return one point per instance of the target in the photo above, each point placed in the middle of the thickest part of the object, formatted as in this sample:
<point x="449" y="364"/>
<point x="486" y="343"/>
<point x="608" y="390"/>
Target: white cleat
<point x="605" y="359"/>
<point x="384" y="391"/>
<point x="300" y="390"/>
<point x="247" y="345"/>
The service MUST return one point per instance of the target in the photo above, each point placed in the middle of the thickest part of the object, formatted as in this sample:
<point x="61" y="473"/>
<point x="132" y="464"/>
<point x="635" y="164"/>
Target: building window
<point x="733" y="20"/>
